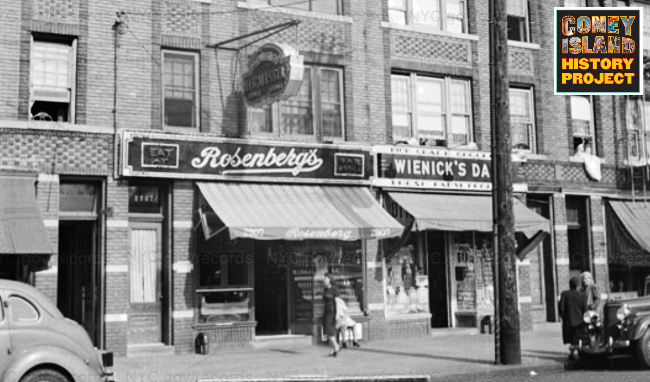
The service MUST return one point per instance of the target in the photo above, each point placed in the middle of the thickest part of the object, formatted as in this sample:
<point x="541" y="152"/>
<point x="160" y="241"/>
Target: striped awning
<point x="299" y="212"/>
<point x="22" y="231"/>
<point x="464" y="213"/>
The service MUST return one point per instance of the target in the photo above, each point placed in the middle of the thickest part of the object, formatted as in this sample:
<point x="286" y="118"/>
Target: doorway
<point x="271" y="291"/>
<point x="438" y="298"/>
<point x="77" y="296"/>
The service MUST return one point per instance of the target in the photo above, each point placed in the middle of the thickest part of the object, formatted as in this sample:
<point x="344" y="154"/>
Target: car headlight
<point x="589" y="316"/>
<point x="622" y="313"/>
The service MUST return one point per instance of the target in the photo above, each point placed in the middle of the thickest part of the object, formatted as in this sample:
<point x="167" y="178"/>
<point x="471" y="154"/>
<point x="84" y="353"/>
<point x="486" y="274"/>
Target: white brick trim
<point x="523" y="262"/>
<point x="561" y="227"/>
<point x="182" y="224"/>
<point x="183" y="266"/>
<point x="374" y="264"/>
<point x="116" y="317"/>
<point x="48" y="178"/>
<point x="597" y="228"/>
<point x="111" y="223"/>
<point x="51" y="223"/>
<point x="183" y="314"/>
<point x="117" y="268"/>
<point x="562" y="261"/>
<point x="376" y="306"/>
<point x="600" y="260"/>
<point x="525" y="299"/>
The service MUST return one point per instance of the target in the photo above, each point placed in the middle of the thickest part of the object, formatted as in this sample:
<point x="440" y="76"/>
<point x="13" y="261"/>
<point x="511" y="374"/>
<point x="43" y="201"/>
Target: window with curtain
<point x="582" y="124"/>
<point x="518" y="23"/>
<point x="434" y="111"/>
<point x="181" y="90"/>
<point x="445" y="15"/>
<point x="522" y="119"/>
<point x="315" y="113"/>
<point x="144" y="262"/>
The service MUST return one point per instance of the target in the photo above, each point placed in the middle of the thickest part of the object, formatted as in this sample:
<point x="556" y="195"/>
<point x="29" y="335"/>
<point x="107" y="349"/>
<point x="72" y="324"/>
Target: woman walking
<point x="330" y="293"/>
<point x="592" y="292"/>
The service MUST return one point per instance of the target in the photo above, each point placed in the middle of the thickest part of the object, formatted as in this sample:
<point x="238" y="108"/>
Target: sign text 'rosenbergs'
<point x="205" y="157"/>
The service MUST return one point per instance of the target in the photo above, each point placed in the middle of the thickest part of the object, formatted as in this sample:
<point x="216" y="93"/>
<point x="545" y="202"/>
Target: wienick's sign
<point x="275" y="73"/>
<point x="431" y="168"/>
<point x="205" y="157"/>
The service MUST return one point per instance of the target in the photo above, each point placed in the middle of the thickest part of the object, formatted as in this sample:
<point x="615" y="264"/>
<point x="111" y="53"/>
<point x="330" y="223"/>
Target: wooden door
<point x="145" y="286"/>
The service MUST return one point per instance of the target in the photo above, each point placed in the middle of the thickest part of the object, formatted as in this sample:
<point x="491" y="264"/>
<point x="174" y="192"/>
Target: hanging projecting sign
<point x="431" y="168"/>
<point x="205" y="157"/>
<point x="275" y="73"/>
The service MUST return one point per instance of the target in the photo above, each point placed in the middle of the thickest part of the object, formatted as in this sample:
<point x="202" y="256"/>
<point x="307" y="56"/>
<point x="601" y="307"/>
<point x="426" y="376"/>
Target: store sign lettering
<point x="269" y="162"/>
<point x="329" y="233"/>
<point x="421" y="167"/>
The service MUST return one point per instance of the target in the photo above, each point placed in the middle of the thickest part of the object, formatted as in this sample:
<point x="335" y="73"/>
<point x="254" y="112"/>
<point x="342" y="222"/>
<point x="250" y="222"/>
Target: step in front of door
<point x="145" y="350"/>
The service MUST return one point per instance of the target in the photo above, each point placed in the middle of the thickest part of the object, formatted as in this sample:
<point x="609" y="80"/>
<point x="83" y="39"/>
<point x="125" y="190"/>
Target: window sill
<point x="527" y="45"/>
<point x="428" y="30"/>
<point x="203" y="325"/>
<point x="535" y="156"/>
<point x="203" y="1"/>
<point x="262" y="6"/>
<point x="181" y="130"/>
<point x="634" y="162"/>
<point x="577" y="159"/>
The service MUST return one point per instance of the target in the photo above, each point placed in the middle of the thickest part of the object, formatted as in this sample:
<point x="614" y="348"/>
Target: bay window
<point x="433" y="111"/>
<point x="522" y="119"/>
<point x="316" y="112"/>
<point x="445" y="15"/>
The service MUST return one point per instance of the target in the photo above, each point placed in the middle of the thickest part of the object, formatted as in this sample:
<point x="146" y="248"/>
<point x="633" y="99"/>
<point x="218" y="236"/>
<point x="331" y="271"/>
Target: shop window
<point x="334" y="7"/>
<point x="522" y="119"/>
<point x="52" y="80"/>
<point x="180" y="89"/>
<point x="638" y="121"/>
<point x="518" y="23"/>
<point x="407" y="283"/>
<point x="431" y="111"/>
<point x="582" y="125"/>
<point x="445" y="15"/>
<point x="22" y="310"/>
<point x="316" y="112"/>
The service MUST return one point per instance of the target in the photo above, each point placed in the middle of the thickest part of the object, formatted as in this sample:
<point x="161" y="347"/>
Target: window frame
<point x="592" y="125"/>
<point x="532" y="129"/>
<point x="310" y="3"/>
<point x="72" y="79"/>
<point x="197" y="90"/>
<point x="640" y="137"/>
<point x="447" y="112"/>
<point x="11" y="314"/>
<point x="583" y="3"/>
<point x="527" y="32"/>
<point x="316" y="112"/>
<point x="442" y="18"/>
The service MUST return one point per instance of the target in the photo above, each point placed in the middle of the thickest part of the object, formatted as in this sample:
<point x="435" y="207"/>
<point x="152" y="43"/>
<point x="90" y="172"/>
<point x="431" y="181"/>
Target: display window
<point x="407" y="283"/>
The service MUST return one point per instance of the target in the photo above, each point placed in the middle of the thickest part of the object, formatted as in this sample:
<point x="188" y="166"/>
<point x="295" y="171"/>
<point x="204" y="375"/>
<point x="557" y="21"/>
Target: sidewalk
<point x="443" y="353"/>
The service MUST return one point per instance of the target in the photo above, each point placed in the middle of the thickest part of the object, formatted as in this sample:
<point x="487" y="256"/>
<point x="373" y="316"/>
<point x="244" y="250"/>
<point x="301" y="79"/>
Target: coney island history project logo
<point x="599" y="51"/>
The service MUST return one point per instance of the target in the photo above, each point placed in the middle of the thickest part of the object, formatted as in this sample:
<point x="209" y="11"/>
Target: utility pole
<point x="507" y="336"/>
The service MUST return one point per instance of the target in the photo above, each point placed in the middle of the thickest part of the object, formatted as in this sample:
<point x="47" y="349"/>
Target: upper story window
<point x="334" y="7"/>
<point x="434" y="111"/>
<point x="445" y="15"/>
<point x="52" y="80"/>
<point x="582" y="124"/>
<point x="180" y="89"/>
<point x="518" y="22"/>
<point x="637" y="120"/>
<point x="575" y="3"/>
<point x="316" y="112"/>
<point x="522" y="119"/>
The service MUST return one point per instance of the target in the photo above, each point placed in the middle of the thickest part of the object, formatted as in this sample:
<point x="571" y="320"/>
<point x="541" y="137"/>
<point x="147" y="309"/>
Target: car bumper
<point x="608" y="348"/>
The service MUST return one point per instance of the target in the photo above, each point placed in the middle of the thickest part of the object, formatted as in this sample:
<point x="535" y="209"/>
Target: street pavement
<point x="445" y="354"/>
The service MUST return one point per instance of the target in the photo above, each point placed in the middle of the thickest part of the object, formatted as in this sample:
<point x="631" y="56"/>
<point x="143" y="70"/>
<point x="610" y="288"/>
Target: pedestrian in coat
<point x="572" y="307"/>
<point x="592" y="292"/>
<point x="330" y="293"/>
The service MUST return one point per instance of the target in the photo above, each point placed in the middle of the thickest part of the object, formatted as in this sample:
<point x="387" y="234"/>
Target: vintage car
<point x="624" y="328"/>
<point x="38" y="344"/>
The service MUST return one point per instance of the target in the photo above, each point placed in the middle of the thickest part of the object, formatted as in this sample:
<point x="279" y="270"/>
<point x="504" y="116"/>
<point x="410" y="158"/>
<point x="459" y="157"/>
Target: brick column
<point x="561" y="241"/>
<point x="117" y="266"/>
<point x="599" y="243"/>
<point x="183" y="251"/>
<point x="525" y="299"/>
<point x="47" y="199"/>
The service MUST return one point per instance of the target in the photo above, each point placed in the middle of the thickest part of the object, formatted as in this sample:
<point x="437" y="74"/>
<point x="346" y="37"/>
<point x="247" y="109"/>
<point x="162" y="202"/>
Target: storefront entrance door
<point x="145" y="289"/>
<point x="438" y="298"/>
<point x="271" y="292"/>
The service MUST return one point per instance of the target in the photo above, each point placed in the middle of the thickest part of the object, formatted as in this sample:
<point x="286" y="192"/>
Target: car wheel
<point x="643" y="349"/>
<point x="44" y="375"/>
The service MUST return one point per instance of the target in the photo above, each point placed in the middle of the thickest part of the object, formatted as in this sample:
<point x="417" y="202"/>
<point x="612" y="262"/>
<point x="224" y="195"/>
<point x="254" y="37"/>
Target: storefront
<point x="268" y="220"/>
<point x="628" y="238"/>
<point x="445" y="266"/>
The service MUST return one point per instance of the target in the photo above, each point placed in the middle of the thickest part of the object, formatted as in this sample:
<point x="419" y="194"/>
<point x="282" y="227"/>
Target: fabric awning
<point x="630" y="232"/>
<point x="464" y="213"/>
<point x="22" y="230"/>
<point x="299" y="212"/>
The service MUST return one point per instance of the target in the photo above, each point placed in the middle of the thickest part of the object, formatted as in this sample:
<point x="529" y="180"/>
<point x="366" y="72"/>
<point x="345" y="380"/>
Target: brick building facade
<point x="117" y="61"/>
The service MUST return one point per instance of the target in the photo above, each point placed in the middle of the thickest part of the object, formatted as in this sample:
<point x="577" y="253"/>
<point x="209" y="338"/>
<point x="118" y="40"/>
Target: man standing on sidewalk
<point x="572" y="306"/>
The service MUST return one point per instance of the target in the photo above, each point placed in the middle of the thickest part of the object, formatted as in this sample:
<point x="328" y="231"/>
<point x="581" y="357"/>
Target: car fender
<point x="640" y="326"/>
<point x="43" y="355"/>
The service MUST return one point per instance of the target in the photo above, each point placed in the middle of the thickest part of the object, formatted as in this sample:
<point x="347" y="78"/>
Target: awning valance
<point x="464" y="213"/>
<point x="299" y="212"/>
<point x="22" y="230"/>
<point x="629" y="229"/>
